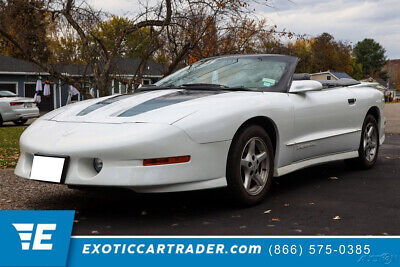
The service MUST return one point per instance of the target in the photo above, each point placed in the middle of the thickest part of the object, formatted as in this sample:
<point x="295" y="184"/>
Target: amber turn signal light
<point x="164" y="161"/>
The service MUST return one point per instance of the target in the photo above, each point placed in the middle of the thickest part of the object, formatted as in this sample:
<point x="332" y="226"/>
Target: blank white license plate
<point x="28" y="105"/>
<point x="48" y="169"/>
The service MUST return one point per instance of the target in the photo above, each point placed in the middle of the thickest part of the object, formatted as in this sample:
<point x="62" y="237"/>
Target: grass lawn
<point x="9" y="146"/>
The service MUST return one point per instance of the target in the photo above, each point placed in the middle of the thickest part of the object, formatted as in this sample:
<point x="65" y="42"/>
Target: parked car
<point x="231" y="121"/>
<point x="16" y="109"/>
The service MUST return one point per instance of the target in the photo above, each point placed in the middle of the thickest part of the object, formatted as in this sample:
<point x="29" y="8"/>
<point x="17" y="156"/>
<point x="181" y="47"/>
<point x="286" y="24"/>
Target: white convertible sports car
<point x="232" y="121"/>
<point x="16" y="109"/>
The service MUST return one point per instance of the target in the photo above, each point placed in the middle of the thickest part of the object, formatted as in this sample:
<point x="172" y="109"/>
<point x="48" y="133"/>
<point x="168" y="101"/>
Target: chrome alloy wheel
<point x="370" y="142"/>
<point x="254" y="166"/>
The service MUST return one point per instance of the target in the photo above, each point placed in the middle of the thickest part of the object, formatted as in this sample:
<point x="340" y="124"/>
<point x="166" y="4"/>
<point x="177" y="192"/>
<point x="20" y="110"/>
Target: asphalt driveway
<point x="324" y="200"/>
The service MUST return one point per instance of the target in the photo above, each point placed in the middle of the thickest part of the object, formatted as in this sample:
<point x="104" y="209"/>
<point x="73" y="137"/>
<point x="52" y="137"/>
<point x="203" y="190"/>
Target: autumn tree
<point x="23" y="29"/>
<point x="324" y="53"/>
<point x="208" y="28"/>
<point x="372" y="56"/>
<point x="83" y="24"/>
<point x="67" y="31"/>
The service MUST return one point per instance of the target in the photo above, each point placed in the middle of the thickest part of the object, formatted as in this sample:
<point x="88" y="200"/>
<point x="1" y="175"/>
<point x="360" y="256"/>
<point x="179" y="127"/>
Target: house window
<point x="146" y="81"/>
<point x="328" y="77"/>
<point x="12" y="87"/>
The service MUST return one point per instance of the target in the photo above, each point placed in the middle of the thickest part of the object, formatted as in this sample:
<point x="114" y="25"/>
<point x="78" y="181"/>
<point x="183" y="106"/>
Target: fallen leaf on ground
<point x="311" y="203"/>
<point x="275" y="219"/>
<point x="333" y="178"/>
<point x="298" y="230"/>
<point x="336" y="218"/>
<point x="286" y="204"/>
<point x="95" y="232"/>
<point x="243" y="226"/>
<point x="387" y="157"/>
<point x="267" y="211"/>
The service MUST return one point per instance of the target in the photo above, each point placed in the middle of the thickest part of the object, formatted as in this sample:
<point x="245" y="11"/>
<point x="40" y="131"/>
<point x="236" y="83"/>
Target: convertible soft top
<point x="327" y="83"/>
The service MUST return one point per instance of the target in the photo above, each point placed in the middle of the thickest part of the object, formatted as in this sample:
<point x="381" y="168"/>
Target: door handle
<point x="351" y="101"/>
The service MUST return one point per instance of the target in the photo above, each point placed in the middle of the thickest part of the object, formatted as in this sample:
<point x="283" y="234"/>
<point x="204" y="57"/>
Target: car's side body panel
<point x="323" y="123"/>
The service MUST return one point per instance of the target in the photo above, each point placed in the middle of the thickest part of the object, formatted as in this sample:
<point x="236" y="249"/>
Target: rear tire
<point x="1" y="120"/>
<point x="250" y="165"/>
<point x="20" y="122"/>
<point x="369" y="145"/>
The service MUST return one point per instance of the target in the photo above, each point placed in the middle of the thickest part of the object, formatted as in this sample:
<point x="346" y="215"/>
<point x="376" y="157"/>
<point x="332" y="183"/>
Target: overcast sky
<point x="349" y="20"/>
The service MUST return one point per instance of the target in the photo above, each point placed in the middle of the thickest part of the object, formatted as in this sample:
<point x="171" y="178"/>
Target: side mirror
<point x="305" y="86"/>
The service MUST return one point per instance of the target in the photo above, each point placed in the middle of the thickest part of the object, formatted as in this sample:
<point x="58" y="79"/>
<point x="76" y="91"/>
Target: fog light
<point x="97" y="164"/>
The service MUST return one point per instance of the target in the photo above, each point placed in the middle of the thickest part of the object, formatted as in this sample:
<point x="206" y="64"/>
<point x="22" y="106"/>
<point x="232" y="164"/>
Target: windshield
<point x="250" y="72"/>
<point x="6" y="94"/>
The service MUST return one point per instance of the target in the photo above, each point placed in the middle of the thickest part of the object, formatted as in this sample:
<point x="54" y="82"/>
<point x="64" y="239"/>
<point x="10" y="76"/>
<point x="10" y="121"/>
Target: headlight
<point x="97" y="164"/>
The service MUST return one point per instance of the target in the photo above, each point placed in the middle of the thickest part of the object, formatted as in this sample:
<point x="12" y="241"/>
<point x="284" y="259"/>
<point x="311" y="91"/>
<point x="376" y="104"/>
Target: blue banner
<point x="235" y="251"/>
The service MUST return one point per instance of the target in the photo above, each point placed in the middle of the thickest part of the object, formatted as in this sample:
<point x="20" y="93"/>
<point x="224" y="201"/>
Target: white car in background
<point x="231" y="121"/>
<point x="16" y="109"/>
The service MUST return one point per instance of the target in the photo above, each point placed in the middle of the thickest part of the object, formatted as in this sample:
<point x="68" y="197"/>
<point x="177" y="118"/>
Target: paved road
<point x="305" y="202"/>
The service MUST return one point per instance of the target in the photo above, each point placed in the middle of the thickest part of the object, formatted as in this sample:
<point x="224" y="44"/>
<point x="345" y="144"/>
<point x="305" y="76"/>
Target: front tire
<point x="369" y="145"/>
<point x="250" y="165"/>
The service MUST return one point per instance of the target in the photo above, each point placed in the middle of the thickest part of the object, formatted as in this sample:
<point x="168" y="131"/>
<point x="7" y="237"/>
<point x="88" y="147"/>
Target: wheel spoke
<point x="373" y="144"/>
<point x="252" y="148"/>
<point x="245" y="163"/>
<point x="247" y="181"/>
<point x="257" y="178"/>
<point x="370" y="131"/>
<point x="261" y="157"/>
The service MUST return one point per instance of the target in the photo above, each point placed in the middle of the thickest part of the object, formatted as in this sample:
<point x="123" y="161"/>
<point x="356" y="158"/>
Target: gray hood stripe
<point x="102" y="104"/>
<point x="167" y="100"/>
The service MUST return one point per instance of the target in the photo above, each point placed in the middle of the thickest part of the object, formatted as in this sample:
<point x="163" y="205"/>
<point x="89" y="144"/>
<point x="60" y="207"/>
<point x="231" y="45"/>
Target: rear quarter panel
<point x="368" y="97"/>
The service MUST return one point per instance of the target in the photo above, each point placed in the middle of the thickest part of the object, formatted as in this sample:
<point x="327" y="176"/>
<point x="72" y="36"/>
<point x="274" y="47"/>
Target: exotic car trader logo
<point x="25" y="231"/>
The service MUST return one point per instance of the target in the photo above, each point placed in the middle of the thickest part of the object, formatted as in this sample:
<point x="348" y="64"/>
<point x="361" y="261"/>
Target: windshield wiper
<point x="204" y="85"/>
<point x="239" y="88"/>
<point x="155" y="87"/>
<point x="195" y="86"/>
<point x="213" y="86"/>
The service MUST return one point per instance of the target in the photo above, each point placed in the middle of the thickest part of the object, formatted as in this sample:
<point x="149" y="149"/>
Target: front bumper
<point x="122" y="148"/>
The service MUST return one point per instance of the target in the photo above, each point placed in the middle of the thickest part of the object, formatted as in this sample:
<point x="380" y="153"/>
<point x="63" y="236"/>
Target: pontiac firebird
<point x="231" y="121"/>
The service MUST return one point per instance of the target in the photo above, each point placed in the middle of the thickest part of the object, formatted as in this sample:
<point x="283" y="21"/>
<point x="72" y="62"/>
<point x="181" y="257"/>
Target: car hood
<point x="157" y="106"/>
